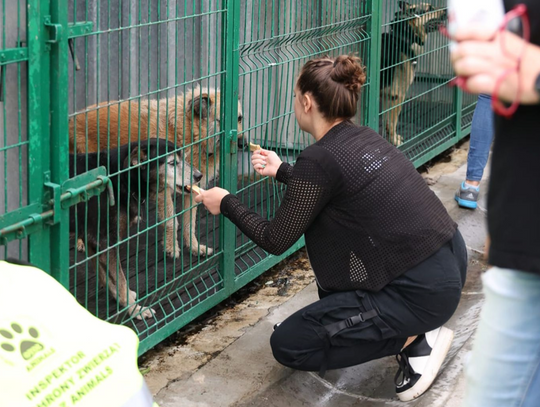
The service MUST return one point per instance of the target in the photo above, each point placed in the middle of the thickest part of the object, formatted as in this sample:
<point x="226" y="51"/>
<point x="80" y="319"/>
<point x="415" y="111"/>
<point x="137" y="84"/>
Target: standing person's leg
<point x="480" y="144"/>
<point x="481" y="137"/>
<point x="504" y="369"/>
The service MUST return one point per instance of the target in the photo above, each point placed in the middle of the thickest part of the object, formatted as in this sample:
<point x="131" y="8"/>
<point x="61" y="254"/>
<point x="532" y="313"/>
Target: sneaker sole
<point x="436" y="359"/>
<point x="465" y="203"/>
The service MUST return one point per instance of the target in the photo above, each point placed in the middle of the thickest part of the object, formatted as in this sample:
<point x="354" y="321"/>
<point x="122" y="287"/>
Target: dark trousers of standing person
<point x="348" y="328"/>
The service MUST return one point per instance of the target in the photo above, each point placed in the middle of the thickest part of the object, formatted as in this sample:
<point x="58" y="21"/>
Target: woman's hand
<point x="211" y="199"/>
<point x="266" y="163"/>
<point x="480" y="60"/>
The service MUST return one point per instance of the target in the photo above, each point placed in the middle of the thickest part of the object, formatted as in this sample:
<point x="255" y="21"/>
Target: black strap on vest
<point x="337" y="327"/>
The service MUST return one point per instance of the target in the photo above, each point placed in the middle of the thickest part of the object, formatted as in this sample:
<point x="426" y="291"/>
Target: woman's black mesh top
<point x="366" y="213"/>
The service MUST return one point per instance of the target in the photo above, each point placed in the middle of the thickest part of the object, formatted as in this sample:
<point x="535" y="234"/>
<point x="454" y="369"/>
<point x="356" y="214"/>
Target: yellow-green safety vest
<point x="54" y="353"/>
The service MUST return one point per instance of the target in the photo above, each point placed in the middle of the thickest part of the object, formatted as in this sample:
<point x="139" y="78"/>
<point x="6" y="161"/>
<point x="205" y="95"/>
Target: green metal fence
<point x="89" y="75"/>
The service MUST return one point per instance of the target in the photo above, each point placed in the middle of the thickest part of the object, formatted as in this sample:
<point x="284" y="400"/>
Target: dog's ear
<point x="136" y="156"/>
<point x="209" y="147"/>
<point x="404" y="6"/>
<point x="200" y="105"/>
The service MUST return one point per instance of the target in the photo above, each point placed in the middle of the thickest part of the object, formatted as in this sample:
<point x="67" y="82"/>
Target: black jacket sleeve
<point x="309" y="189"/>
<point x="284" y="173"/>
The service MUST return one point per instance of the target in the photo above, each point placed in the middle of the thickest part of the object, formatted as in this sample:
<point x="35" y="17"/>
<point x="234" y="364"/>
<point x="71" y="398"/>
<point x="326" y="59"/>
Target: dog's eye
<point x="240" y="119"/>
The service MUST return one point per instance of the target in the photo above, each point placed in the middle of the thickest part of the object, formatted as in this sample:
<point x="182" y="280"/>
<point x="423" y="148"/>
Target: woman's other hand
<point x="266" y="163"/>
<point x="211" y="199"/>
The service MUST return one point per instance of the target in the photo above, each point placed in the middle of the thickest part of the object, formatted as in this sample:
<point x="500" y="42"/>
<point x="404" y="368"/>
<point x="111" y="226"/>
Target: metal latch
<point x="74" y="30"/>
<point x="20" y="223"/>
<point x="55" y="30"/>
<point x="77" y="30"/>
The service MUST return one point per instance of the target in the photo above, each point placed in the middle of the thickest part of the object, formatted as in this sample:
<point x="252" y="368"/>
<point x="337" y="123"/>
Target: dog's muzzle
<point x="242" y="145"/>
<point x="434" y="23"/>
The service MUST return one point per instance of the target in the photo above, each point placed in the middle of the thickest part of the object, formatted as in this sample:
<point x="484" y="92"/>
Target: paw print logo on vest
<point x="25" y="341"/>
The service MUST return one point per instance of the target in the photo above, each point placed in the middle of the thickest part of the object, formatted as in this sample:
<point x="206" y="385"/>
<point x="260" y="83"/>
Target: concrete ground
<point x="228" y="361"/>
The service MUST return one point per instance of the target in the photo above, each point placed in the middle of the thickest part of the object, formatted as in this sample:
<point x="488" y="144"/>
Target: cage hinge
<point x="20" y="223"/>
<point x="55" y="192"/>
<point x="55" y="30"/>
<point x="233" y="141"/>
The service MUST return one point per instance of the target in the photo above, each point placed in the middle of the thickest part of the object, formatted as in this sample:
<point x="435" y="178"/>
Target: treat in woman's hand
<point x="254" y="147"/>
<point x="194" y="188"/>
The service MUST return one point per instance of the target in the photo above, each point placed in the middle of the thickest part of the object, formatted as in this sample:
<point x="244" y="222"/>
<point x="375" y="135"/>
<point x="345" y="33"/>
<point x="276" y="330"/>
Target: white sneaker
<point x="420" y="362"/>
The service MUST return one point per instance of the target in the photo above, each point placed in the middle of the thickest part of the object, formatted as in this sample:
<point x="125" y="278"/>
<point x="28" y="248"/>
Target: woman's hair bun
<point x="334" y="84"/>
<point x="348" y="71"/>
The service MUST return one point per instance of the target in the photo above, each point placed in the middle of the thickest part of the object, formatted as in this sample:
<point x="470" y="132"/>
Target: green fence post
<point x="58" y="34"/>
<point x="38" y="124"/>
<point x="374" y="67"/>
<point x="231" y="59"/>
<point x="458" y="106"/>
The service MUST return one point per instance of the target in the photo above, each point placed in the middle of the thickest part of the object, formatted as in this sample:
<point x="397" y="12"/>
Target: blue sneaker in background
<point x="467" y="196"/>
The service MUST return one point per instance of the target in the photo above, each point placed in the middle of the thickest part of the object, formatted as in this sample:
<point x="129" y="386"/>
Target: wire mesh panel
<point x="14" y="141"/>
<point x="276" y="39"/>
<point x="417" y="106"/>
<point x="156" y="96"/>
<point x="467" y="110"/>
<point x="147" y="70"/>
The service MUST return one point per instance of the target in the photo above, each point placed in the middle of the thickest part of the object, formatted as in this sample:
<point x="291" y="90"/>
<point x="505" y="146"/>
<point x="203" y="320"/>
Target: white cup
<point x="488" y="14"/>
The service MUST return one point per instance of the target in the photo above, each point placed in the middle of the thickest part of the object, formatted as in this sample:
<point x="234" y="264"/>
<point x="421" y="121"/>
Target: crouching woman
<point x="389" y="261"/>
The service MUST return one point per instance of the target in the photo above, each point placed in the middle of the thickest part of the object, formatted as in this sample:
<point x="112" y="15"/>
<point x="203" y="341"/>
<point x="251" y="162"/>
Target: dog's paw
<point x="397" y="140"/>
<point x="203" y="250"/>
<point x="136" y="219"/>
<point x="139" y="312"/>
<point x="172" y="249"/>
<point x="147" y="313"/>
<point x="80" y="245"/>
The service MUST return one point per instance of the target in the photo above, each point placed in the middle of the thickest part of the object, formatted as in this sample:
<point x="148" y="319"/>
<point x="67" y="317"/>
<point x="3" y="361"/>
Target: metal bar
<point x="19" y="214"/>
<point x="466" y="131"/>
<point x="11" y="55"/>
<point x="70" y="197"/>
<point x="2" y="80"/>
<point x="230" y="60"/>
<point x="458" y="105"/>
<point x="80" y="29"/>
<point x="20" y="228"/>
<point x="374" y="65"/>
<point x="38" y="101"/>
<point x="59" y="160"/>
